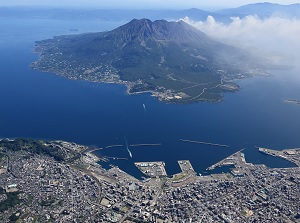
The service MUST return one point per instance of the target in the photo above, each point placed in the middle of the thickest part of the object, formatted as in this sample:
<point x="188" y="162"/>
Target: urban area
<point x="41" y="187"/>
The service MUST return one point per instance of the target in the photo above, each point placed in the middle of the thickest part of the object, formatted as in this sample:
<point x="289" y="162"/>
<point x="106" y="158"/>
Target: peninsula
<point x="173" y="61"/>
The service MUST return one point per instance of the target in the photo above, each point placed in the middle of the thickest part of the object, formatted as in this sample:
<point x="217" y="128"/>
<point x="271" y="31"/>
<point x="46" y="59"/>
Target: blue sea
<point x="46" y="106"/>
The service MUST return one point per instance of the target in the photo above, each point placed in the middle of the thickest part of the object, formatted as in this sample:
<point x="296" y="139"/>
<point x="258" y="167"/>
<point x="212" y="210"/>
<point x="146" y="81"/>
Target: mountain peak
<point x="159" y="30"/>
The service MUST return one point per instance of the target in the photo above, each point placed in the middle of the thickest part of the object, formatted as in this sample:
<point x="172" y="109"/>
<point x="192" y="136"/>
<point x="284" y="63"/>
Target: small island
<point x="174" y="61"/>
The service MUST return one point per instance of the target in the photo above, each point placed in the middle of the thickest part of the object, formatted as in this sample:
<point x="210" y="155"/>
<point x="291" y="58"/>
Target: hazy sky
<point x="140" y="4"/>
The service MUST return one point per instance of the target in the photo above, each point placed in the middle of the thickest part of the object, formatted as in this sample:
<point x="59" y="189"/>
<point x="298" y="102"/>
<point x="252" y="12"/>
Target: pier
<point x="233" y="159"/>
<point x="152" y="169"/>
<point x="186" y="166"/>
<point x="291" y="155"/>
<point x="205" y="143"/>
<point x="186" y="175"/>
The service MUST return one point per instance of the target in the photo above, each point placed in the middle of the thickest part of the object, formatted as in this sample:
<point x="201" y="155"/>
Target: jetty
<point x="112" y="146"/>
<point x="115" y="158"/>
<point x="291" y="155"/>
<point x="205" y="143"/>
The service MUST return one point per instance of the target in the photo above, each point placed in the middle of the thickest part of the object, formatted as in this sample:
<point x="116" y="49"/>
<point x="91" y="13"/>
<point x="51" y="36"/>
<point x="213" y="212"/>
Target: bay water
<point x="46" y="106"/>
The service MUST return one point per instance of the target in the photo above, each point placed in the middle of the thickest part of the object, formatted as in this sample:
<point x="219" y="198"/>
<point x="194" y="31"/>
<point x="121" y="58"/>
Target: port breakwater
<point x="153" y="144"/>
<point x="205" y="143"/>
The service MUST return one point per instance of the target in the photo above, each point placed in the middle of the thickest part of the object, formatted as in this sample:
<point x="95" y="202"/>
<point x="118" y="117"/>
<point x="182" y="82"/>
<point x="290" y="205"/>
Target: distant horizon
<point x="135" y="5"/>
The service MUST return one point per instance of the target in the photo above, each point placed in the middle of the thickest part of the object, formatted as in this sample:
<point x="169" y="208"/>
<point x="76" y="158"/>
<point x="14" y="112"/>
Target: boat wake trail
<point x="130" y="154"/>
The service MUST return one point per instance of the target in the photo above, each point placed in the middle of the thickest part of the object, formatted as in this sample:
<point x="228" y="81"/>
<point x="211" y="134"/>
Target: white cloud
<point x="272" y="34"/>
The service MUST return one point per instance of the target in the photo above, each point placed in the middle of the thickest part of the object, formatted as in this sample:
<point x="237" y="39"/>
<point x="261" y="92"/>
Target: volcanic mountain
<point x="173" y="60"/>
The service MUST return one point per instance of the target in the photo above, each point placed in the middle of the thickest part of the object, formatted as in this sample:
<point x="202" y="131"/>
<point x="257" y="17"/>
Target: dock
<point x="233" y="160"/>
<point x="291" y="155"/>
<point x="205" y="143"/>
<point x="186" y="166"/>
<point x="187" y="174"/>
<point x="152" y="169"/>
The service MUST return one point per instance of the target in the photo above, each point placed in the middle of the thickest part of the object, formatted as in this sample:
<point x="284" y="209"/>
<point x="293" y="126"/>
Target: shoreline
<point x="166" y="97"/>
